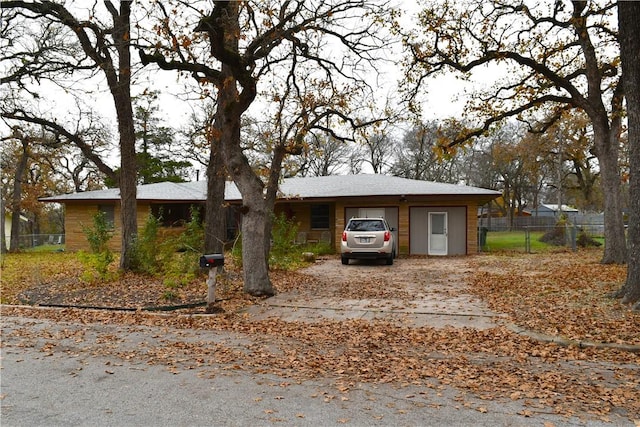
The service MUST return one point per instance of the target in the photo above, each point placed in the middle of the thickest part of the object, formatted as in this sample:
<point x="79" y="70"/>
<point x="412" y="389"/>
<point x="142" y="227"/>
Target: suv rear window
<point x="365" y="225"/>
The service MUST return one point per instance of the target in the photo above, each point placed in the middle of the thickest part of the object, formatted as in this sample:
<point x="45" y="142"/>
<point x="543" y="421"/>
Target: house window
<point x="320" y="217"/>
<point x="109" y="214"/>
<point x="175" y="214"/>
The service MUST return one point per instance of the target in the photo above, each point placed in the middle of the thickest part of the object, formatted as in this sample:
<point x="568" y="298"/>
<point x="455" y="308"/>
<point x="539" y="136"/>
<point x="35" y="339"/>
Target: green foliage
<point x="100" y="234"/>
<point x="284" y="255"/>
<point x="320" y="248"/>
<point x="97" y="262"/>
<point x="170" y="295"/>
<point x="146" y="250"/>
<point x="283" y="234"/>
<point x="179" y="256"/>
<point x="236" y="251"/>
<point x="584" y="240"/>
<point x="96" y="265"/>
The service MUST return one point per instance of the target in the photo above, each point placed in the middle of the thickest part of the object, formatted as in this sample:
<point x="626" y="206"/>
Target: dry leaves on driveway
<point x="535" y="291"/>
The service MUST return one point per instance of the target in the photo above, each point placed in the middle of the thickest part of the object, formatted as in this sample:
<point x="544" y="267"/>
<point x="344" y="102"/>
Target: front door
<point x="437" y="233"/>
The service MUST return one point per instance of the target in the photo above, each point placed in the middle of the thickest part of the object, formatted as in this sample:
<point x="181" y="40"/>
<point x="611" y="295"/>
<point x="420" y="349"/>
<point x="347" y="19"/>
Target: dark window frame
<point x="175" y="214"/>
<point x="320" y="220"/>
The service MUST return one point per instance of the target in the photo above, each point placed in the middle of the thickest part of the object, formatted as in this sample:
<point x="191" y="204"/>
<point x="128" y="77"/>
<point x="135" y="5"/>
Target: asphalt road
<point x="47" y="383"/>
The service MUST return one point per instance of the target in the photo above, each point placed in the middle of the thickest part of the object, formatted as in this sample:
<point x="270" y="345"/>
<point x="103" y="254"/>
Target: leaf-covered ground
<point x="564" y="294"/>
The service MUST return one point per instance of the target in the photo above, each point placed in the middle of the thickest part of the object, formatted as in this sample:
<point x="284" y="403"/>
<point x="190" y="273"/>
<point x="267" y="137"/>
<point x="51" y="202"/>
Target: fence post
<point x="527" y="240"/>
<point x="573" y="238"/>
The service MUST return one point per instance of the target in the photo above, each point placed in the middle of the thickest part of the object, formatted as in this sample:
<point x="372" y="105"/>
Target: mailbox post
<point x="212" y="262"/>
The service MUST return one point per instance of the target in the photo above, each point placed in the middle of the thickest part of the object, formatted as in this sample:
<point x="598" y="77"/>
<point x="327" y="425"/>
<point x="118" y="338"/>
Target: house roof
<point x="292" y="188"/>
<point x="553" y="208"/>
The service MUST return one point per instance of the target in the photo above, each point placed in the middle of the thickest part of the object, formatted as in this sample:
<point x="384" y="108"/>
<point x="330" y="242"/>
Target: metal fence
<point x="591" y="224"/>
<point x="525" y="238"/>
<point x="31" y="241"/>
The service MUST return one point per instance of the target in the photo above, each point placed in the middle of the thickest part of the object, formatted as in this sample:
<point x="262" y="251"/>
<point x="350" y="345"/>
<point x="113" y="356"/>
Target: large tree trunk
<point x="255" y="209"/>
<point x="615" y="248"/>
<point x="3" y="236"/>
<point x="16" y="198"/>
<point x="121" y="92"/>
<point x="215" y="225"/>
<point x="628" y="18"/>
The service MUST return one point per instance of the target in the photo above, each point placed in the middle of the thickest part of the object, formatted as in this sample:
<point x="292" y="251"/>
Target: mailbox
<point x="211" y="260"/>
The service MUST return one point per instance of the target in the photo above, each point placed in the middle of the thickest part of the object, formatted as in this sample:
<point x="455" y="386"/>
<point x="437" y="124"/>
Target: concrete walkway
<point x="415" y="313"/>
<point x="439" y="297"/>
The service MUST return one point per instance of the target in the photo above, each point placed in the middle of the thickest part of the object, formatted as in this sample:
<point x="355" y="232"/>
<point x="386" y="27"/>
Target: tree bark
<point x="16" y="198"/>
<point x="3" y="236"/>
<point x="120" y="87"/>
<point x="215" y="224"/>
<point x="615" y="248"/>
<point x="629" y="36"/>
<point x="231" y="106"/>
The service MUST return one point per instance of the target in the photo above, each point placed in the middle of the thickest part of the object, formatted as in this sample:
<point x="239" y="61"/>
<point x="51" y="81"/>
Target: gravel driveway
<point x="414" y="291"/>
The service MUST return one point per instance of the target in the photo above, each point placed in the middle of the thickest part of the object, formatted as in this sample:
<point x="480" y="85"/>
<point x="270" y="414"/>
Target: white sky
<point x="444" y="95"/>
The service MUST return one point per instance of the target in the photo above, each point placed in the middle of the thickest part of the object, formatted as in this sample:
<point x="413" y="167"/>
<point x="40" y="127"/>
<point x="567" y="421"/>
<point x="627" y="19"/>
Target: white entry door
<point x="437" y="233"/>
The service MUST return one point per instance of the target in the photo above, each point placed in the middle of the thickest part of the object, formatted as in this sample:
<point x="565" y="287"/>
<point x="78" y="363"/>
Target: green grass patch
<point x="515" y="241"/>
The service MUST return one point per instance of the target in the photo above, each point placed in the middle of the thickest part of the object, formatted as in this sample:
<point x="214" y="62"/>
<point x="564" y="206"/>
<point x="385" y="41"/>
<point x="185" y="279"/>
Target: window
<point x="175" y="214"/>
<point x="109" y="214"/>
<point x="320" y="217"/>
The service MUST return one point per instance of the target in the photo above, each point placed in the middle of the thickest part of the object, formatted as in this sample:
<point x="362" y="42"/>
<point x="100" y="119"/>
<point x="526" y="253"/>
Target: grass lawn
<point x="515" y="241"/>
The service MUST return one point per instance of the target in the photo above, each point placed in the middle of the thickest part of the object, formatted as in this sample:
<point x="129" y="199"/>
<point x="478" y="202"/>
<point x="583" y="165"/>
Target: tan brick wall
<point x="79" y="215"/>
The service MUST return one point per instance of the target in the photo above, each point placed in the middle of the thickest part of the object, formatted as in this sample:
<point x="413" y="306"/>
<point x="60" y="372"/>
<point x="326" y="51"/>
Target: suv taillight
<point x="387" y="236"/>
<point x="344" y="236"/>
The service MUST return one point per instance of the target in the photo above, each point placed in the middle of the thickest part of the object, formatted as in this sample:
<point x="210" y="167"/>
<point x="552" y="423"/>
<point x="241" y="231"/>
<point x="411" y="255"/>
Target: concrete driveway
<point x="413" y="292"/>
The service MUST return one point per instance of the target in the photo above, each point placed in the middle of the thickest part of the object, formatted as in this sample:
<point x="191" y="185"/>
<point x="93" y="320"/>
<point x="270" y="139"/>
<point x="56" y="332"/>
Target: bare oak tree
<point x="105" y="48"/>
<point x="250" y="43"/>
<point x="559" y="55"/>
<point x="628" y="18"/>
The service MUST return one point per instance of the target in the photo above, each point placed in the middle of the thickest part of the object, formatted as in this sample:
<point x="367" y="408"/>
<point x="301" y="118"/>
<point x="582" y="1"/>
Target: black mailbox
<point x="211" y="260"/>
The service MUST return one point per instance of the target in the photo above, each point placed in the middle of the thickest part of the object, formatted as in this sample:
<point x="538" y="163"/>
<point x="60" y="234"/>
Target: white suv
<point x="368" y="238"/>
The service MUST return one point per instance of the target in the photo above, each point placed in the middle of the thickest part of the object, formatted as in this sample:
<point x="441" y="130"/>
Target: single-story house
<point x="7" y="227"/>
<point x="429" y="218"/>
<point x="552" y="210"/>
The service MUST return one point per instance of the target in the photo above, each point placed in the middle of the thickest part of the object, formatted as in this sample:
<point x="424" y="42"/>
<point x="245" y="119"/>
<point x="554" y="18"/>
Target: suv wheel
<point x="390" y="259"/>
<point x="345" y="260"/>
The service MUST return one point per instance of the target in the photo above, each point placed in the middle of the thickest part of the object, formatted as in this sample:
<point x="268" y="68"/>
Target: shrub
<point x="584" y="240"/>
<point x="98" y="260"/>
<point x="284" y="254"/>
<point x="236" y="250"/>
<point x="179" y="256"/>
<point x="100" y="234"/>
<point x="146" y="247"/>
<point x="321" y="248"/>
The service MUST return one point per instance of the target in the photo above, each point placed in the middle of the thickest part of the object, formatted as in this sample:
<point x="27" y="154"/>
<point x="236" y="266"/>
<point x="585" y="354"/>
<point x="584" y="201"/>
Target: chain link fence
<point x="41" y="241"/>
<point x="534" y="234"/>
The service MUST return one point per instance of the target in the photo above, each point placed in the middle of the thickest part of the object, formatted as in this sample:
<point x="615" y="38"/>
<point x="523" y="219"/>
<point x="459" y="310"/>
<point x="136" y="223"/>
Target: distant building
<point x="7" y="226"/>
<point x="551" y="210"/>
